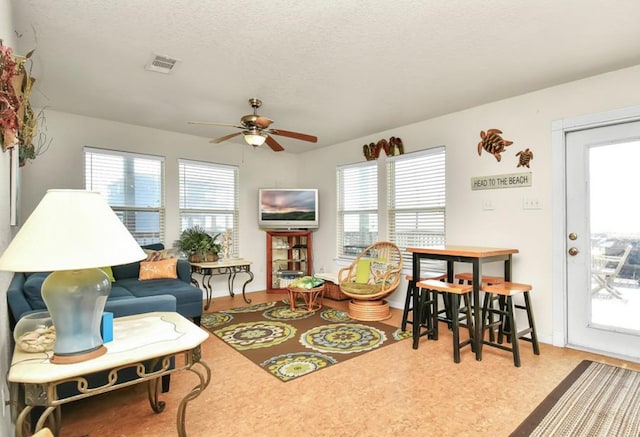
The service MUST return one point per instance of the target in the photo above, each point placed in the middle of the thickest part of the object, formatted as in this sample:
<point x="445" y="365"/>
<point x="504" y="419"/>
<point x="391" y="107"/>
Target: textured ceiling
<point x="337" y="69"/>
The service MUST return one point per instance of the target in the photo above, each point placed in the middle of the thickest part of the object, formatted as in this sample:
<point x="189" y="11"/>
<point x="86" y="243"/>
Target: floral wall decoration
<point x="392" y="147"/>
<point x="18" y="122"/>
<point x="492" y="142"/>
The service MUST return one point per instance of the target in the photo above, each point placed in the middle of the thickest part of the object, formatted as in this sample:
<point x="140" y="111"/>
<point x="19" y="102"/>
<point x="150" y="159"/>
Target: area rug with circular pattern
<point x="290" y="344"/>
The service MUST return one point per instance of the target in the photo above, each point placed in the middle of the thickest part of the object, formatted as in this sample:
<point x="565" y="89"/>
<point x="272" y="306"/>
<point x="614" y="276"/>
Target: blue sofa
<point x="128" y="294"/>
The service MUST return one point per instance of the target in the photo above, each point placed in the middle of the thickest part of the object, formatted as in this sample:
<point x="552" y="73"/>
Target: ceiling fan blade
<point x="225" y="138"/>
<point x="211" y="123"/>
<point x="296" y="135"/>
<point x="275" y="146"/>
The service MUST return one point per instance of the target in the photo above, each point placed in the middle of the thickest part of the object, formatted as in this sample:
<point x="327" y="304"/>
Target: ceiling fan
<point x="256" y="131"/>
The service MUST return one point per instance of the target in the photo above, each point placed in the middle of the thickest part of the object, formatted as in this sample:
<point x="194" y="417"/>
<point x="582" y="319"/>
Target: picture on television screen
<point x="287" y="207"/>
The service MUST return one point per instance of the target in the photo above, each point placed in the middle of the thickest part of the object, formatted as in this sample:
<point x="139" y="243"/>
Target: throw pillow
<point x="109" y="272"/>
<point x="165" y="269"/>
<point x="380" y="269"/>
<point x="159" y="255"/>
<point x="363" y="270"/>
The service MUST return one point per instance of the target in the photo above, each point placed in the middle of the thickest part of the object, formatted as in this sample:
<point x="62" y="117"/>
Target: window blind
<point x="209" y="198"/>
<point x="357" y="209"/>
<point x="417" y="198"/>
<point x="133" y="186"/>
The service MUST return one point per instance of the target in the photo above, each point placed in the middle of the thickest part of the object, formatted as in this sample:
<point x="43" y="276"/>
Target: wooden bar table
<point x="474" y="255"/>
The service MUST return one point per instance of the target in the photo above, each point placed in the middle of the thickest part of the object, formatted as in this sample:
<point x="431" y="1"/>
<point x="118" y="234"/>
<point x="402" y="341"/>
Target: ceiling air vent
<point x="161" y="64"/>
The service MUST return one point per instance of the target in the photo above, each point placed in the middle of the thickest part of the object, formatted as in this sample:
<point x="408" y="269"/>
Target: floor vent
<point x="161" y="64"/>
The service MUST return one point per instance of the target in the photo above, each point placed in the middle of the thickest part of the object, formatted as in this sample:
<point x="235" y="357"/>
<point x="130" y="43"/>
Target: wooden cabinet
<point x="289" y="256"/>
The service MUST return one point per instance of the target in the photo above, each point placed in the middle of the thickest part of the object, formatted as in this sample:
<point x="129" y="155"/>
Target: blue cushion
<point x="126" y="271"/>
<point x="119" y="293"/>
<point x="33" y="290"/>
<point x="182" y="291"/>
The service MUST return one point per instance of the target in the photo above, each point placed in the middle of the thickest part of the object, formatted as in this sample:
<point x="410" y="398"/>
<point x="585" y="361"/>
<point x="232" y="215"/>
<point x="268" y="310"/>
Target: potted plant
<point x="199" y="245"/>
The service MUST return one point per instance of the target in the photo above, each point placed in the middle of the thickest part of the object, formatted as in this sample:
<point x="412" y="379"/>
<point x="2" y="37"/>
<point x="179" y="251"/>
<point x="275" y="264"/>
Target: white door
<point x="603" y="239"/>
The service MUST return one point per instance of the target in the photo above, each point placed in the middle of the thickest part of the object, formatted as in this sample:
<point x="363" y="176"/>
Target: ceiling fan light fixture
<point x="255" y="139"/>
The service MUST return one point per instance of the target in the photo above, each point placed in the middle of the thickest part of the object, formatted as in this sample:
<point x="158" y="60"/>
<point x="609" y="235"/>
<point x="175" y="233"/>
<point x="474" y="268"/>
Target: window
<point x="357" y="208"/>
<point x="209" y="198"/>
<point x="416" y="196"/>
<point x="412" y="186"/>
<point x="133" y="185"/>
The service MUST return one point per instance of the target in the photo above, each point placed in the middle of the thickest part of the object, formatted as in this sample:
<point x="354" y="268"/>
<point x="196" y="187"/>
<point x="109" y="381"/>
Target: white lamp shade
<point x="70" y="230"/>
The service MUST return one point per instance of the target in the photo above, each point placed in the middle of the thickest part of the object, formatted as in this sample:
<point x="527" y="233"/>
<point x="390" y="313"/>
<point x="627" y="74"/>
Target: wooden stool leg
<point x="467" y="304"/>
<point x="425" y="315"/>
<point x="417" y="297"/>
<point x="454" y="304"/>
<point x="434" y="314"/>
<point x="407" y="304"/>
<point x="447" y="307"/>
<point x="487" y="317"/>
<point x="505" y="320"/>
<point x="532" y="326"/>
<point x="513" y="330"/>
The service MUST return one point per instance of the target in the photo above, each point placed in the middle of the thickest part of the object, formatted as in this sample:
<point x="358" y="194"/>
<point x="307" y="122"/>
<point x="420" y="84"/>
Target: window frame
<point x="212" y="211"/>
<point x="120" y="210"/>
<point x="432" y="207"/>
<point x="386" y="168"/>
<point x="341" y="211"/>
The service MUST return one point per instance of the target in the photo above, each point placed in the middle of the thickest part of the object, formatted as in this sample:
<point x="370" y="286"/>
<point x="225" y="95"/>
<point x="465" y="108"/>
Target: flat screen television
<point x="288" y="208"/>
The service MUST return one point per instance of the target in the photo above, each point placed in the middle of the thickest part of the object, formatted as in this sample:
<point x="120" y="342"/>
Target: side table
<point x="311" y="299"/>
<point x="151" y="337"/>
<point x="229" y="267"/>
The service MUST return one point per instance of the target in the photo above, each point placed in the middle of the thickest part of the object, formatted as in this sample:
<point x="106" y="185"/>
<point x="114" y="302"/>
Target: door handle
<point x="573" y="251"/>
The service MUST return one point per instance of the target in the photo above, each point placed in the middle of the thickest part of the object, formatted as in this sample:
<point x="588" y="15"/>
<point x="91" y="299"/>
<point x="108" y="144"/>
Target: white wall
<point x="62" y="167"/>
<point x="6" y="233"/>
<point x="525" y="120"/>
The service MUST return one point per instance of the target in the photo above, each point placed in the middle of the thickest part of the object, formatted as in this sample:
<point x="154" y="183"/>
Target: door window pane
<point x="615" y="237"/>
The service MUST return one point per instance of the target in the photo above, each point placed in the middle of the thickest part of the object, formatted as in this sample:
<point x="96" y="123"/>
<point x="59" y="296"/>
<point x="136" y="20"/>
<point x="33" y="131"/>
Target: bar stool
<point x="429" y="289"/>
<point x="506" y="322"/>
<point x="408" y="300"/>
<point x="467" y="277"/>
<point x="486" y="280"/>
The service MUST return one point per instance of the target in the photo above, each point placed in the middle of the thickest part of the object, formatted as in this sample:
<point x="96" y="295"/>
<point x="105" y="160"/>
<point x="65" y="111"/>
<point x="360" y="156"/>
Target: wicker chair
<point x="372" y="276"/>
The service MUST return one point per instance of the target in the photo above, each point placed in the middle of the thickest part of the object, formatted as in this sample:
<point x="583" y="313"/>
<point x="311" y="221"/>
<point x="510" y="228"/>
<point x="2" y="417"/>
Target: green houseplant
<point x="199" y="245"/>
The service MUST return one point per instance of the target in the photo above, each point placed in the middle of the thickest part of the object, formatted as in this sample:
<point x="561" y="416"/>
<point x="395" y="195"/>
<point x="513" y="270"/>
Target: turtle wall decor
<point x="492" y="142"/>
<point x="525" y="157"/>
<point x="392" y="147"/>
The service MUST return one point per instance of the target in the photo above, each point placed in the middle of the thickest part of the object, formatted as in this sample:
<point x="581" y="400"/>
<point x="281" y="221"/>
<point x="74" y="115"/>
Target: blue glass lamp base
<point x="75" y="300"/>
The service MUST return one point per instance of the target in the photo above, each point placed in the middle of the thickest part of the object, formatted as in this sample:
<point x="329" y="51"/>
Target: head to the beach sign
<point x="511" y="180"/>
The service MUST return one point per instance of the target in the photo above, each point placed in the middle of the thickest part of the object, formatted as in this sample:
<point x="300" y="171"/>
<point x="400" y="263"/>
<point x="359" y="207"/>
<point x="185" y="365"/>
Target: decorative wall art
<point x="493" y="143"/>
<point x="511" y="180"/>
<point x="392" y="147"/>
<point x="14" y="186"/>
<point x="18" y="122"/>
<point x="525" y="157"/>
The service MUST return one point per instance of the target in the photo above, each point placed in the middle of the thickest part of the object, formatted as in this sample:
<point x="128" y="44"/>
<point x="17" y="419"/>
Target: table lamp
<point x="73" y="233"/>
